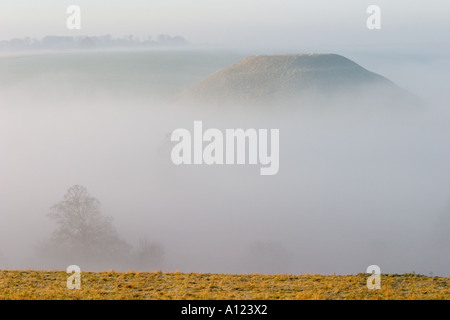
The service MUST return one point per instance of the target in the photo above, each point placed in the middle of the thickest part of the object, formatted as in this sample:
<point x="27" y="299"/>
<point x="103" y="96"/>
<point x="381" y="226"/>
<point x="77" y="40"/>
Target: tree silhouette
<point x="82" y="232"/>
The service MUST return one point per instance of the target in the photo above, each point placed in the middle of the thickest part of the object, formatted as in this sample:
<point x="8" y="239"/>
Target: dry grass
<point x="31" y="284"/>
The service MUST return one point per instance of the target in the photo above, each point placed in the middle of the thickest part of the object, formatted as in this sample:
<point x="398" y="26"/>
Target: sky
<point x="240" y="24"/>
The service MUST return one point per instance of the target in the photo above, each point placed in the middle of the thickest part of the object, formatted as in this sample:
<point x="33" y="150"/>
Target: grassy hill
<point x="297" y="77"/>
<point x="157" y="285"/>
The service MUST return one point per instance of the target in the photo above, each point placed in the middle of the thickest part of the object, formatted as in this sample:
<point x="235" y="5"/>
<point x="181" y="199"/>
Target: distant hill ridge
<point x="268" y="78"/>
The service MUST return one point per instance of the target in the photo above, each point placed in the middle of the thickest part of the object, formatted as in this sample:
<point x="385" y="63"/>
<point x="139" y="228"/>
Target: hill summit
<point x="291" y="77"/>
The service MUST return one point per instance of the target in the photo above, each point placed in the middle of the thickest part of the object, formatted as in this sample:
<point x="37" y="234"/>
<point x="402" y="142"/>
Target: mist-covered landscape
<point x="87" y="177"/>
<point x="361" y="176"/>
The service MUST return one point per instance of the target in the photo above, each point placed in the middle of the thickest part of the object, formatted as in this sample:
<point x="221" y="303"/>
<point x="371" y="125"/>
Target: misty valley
<point x="93" y="140"/>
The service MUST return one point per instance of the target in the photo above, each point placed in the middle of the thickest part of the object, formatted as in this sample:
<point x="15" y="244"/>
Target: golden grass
<point x="29" y="284"/>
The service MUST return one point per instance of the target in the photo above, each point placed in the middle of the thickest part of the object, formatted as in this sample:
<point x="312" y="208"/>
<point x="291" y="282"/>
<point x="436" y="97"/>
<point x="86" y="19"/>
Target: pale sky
<point x="235" y="23"/>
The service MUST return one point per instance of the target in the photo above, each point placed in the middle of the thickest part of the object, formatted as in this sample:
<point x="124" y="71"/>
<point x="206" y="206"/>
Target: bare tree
<point x="82" y="231"/>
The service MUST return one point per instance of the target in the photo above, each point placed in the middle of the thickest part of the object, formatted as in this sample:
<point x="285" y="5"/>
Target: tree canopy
<point x="82" y="231"/>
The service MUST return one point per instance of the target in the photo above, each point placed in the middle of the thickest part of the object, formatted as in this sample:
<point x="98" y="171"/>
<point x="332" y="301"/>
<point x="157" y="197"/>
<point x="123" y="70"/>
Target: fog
<point x="238" y="24"/>
<point x="358" y="184"/>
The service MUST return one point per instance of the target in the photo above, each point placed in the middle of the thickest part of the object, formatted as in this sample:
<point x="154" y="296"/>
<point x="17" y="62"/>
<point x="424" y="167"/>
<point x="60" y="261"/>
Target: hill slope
<point x="294" y="77"/>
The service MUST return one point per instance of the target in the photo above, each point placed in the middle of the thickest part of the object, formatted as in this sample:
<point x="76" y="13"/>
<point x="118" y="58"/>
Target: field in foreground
<point x="31" y="284"/>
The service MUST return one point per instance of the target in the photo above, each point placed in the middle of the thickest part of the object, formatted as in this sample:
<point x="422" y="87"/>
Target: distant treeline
<point x="84" y="42"/>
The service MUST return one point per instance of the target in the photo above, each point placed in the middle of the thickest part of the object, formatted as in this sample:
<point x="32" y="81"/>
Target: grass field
<point x="31" y="284"/>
